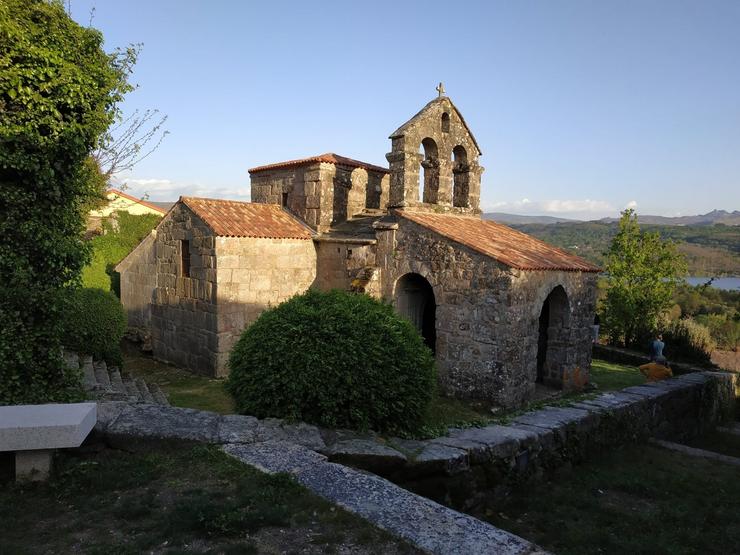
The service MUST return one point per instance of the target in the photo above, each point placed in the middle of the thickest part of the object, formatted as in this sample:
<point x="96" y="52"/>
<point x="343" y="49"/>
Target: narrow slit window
<point x="185" y="258"/>
<point x="285" y="200"/>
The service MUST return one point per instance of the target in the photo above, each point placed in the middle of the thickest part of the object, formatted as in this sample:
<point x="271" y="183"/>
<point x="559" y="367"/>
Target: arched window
<point x="430" y="166"/>
<point x="461" y="175"/>
<point x="445" y="122"/>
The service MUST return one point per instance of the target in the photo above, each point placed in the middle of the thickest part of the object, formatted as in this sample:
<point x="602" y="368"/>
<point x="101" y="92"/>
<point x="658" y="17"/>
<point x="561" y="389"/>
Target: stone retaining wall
<point x="463" y="468"/>
<point x="460" y="470"/>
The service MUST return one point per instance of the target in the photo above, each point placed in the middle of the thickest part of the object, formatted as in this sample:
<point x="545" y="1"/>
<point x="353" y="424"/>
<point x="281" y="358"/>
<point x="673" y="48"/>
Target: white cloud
<point x="587" y="205"/>
<point x="554" y="206"/>
<point x="631" y="204"/>
<point x="168" y="190"/>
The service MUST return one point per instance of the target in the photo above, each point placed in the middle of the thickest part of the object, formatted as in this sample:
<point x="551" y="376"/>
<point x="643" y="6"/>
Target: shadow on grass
<point x="183" y="388"/>
<point x="637" y="499"/>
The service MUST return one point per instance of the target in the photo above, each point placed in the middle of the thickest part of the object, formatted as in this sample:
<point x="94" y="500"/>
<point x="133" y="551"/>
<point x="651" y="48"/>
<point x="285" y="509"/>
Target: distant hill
<point x="710" y="249"/>
<point x="711" y="218"/>
<point x="519" y="219"/>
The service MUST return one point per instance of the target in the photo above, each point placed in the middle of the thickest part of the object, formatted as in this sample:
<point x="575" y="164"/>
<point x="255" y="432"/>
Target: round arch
<point x="553" y="333"/>
<point x="414" y="297"/>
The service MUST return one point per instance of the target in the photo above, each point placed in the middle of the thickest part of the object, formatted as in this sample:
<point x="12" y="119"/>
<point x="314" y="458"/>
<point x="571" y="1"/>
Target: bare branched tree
<point x="129" y="141"/>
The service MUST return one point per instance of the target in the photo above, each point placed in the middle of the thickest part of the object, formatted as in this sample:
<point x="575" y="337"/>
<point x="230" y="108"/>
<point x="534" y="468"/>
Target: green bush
<point x="94" y="324"/>
<point x="112" y="246"/>
<point x="725" y="329"/>
<point x="335" y="359"/>
<point x="688" y="340"/>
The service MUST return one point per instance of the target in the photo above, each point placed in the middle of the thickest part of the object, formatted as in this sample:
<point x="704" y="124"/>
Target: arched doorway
<point x="415" y="302"/>
<point x="552" y="340"/>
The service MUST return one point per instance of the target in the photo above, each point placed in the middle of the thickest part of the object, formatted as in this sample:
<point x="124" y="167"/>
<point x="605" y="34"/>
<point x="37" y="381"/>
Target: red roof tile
<point x="508" y="246"/>
<point x="329" y="158"/>
<point x="230" y="218"/>
<point x="138" y="200"/>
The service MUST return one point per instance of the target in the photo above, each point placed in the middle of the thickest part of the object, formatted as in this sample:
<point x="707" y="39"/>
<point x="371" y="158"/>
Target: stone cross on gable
<point x="440" y="89"/>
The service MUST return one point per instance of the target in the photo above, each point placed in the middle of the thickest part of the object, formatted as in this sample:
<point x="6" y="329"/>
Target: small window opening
<point x="445" y="122"/>
<point x="285" y="200"/>
<point x="185" y="258"/>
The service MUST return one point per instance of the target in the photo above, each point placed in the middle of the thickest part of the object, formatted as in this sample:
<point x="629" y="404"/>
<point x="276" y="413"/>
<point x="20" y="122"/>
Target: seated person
<point x="656" y="348"/>
<point x="656" y="370"/>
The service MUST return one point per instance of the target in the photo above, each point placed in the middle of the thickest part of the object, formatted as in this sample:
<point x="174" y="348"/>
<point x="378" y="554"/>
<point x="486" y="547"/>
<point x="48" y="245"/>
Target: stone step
<point x="88" y="372"/>
<point x="116" y="380"/>
<point x="159" y="396"/>
<point x="146" y="395"/>
<point x="131" y="389"/>
<point x="101" y="374"/>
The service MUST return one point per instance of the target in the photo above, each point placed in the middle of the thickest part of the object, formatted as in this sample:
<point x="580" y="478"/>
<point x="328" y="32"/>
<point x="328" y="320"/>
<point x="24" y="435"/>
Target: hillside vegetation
<point x="709" y="250"/>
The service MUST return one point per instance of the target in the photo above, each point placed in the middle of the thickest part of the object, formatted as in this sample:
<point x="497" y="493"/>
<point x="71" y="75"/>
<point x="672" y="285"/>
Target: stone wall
<point x="572" y="335"/>
<point x="470" y="468"/>
<point x="486" y="314"/>
<point x="339" y="262"/>
<point x="138" y="280"/>
<point x="446" y="174"/>
<point x="184" y="330"/>
<point x="321" y="194"/>
<point x="255" y="274"/>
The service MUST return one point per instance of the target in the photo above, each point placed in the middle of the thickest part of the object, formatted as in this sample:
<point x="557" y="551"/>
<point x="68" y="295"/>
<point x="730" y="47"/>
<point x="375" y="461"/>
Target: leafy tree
<point x="643" y="273"/>
<point x="58" y="95"/>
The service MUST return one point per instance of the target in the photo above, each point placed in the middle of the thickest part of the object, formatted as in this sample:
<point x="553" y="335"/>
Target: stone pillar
<point x="444" y="195"/>
<point x="385" y="234"/>
<point x="404" y="166"/>
<point x="474" y="179"/>
<point x="33" y="465"/>
<point x="327" y="172"/>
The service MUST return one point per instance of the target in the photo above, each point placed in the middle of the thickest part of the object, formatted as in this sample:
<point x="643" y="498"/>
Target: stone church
<point x="502" y="311"/>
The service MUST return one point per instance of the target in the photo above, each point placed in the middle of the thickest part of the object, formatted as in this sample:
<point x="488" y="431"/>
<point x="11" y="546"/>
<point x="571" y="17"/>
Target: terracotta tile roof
<point x="230" y="218"/>
<point x="328" y="157"/>
<point x="137" y="200"/>
<point x="508" y="246"/>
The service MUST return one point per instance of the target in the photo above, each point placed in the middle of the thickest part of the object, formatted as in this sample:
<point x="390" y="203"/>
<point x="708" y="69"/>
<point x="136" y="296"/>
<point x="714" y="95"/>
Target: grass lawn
<point x="636" y="499"/>
<point x="195" y="500"/>
<point x="183" y="388"/>
<point x="610" y="376"/>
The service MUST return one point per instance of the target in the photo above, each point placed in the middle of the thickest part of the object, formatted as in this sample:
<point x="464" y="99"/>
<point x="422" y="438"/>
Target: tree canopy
<point x="643" y="273"/>
<point x="58" y="94"/>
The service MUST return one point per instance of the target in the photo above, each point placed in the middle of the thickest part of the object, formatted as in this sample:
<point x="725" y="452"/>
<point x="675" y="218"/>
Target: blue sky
<point x="580" y="107"/>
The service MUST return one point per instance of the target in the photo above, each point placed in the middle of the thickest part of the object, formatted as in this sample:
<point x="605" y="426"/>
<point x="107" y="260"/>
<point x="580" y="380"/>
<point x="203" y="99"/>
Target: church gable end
<point x="434" y="161"/>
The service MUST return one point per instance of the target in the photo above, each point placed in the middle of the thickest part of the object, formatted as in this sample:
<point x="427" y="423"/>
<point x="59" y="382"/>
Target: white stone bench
<point x="32" y="432"/>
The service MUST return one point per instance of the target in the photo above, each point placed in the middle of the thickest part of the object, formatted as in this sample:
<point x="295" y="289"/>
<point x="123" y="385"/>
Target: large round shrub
<point x="94" y="323"/>
<point x="336" y="359"/>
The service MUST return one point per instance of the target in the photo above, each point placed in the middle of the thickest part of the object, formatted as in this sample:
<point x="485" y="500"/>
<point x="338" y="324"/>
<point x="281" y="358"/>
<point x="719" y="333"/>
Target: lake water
<point x="727" y="283"/>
